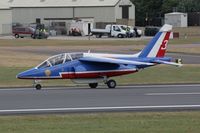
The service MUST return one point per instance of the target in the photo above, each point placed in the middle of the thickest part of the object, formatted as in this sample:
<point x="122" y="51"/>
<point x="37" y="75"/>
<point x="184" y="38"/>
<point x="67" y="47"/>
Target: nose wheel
<point x="38" y="87"/>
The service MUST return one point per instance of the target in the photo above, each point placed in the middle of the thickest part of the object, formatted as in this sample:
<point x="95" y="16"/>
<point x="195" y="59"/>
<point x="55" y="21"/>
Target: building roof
<point x="62" y="3"/>
<point x="4" y="4"/>
<point x="175" y="13"/>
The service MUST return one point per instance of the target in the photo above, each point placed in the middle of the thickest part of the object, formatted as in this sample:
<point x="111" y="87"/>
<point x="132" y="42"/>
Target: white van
<point x="110" y="31"/>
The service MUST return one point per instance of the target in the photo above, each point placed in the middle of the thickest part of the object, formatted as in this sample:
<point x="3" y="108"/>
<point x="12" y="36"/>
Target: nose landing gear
<point x="37" y="85"/>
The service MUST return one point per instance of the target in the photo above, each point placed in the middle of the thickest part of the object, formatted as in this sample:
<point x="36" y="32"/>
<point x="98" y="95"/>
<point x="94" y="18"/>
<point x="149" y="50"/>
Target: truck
<point x="80" y="27"/>
<point x="110" y="31"/>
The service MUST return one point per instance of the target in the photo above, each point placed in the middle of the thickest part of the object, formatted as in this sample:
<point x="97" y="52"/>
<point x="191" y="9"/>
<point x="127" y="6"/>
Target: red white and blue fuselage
<point x="96" y="67"/>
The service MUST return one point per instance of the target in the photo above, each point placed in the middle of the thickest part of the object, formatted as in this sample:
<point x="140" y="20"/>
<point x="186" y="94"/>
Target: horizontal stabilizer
<point x="113" y="61"/>
<point x="168" y="63"/>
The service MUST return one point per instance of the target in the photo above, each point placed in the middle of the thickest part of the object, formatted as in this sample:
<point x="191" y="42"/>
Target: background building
<point x="58" y="13"/>
<point x="177" y="19"/>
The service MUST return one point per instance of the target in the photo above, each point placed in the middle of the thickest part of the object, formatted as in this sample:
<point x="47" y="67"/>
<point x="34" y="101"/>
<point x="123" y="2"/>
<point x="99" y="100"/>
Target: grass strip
<point x="32" y="42"/>
<point x="153" y="122"/>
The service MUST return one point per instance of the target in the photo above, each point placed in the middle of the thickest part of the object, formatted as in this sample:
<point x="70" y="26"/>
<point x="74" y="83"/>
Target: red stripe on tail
<point x="163" y="47"/>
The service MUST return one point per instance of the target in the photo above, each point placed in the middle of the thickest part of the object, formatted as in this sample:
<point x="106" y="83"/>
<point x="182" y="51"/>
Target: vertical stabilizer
<point x="158" y="45"/>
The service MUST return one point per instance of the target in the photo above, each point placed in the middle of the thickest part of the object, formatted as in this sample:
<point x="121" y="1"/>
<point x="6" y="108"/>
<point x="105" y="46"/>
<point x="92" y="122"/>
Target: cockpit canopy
<point x="60" y="59"/>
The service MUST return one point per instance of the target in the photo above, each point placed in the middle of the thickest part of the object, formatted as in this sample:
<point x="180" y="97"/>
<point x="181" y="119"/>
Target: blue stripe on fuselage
<point x="150" y="45"/>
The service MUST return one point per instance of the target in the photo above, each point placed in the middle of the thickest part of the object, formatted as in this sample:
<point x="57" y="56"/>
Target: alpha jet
<point x="93" y="68"/>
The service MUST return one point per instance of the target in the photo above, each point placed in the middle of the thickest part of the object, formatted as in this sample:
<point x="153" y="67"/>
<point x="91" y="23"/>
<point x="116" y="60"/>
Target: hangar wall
<point x="100" y="14"/>
<point x="29" y="15"/>
<point x="47" y="14"/>
<point x="6" y="21"/>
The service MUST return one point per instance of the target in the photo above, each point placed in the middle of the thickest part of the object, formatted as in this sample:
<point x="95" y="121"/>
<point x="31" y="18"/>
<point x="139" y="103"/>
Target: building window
<point x="125" y="12"/>
<point x="38" y="20"/>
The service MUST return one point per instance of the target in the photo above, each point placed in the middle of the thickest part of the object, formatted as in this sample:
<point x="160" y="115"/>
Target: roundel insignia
<point x="48" y="73"/>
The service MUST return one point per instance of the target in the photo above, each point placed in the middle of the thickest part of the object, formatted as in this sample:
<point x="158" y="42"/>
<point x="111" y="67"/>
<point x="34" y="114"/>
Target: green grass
<point x="175" y="45"/>
<point x="154" y="75"/>
<point x="175" y="122"/>
<point x="8" y="78"/>
<point x="163" y="75"/>
<point x="30" y="42"/>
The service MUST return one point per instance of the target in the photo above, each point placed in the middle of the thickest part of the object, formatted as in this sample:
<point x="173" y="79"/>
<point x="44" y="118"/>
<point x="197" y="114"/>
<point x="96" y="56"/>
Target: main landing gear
<point x="93" y="85"/>
<point x="110" y="83"/>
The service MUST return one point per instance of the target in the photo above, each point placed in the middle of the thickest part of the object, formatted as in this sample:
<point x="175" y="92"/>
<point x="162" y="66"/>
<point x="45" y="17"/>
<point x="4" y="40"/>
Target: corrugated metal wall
<point x="29" y="15"/>
<point x="5" y="22"/>
<point x="100" y="14"/>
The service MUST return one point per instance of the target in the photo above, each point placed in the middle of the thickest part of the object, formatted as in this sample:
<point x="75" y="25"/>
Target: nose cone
<point x="26" y="74"/>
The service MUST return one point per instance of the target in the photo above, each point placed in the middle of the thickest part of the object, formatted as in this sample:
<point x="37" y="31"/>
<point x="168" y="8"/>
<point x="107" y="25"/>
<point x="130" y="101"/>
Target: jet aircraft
<point x="94" y="68"/>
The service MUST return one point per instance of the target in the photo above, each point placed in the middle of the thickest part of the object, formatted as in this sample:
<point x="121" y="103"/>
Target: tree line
<point x="151" y="12"/>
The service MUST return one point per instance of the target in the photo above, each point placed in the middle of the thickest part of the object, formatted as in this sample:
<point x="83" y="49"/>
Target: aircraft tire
<point x="38" y="87"/>
<point x="93" y="85"/>
<point x="111" y="84"/>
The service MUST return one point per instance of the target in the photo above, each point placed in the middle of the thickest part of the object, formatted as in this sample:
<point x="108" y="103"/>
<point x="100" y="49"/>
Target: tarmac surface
<point x="186" y="58"/>
<point x="84" y="100"/>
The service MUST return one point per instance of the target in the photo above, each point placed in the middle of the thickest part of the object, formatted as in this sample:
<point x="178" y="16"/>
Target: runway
<point x="83" y="99"/>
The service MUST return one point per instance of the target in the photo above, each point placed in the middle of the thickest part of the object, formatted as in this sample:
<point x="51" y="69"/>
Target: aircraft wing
<point x="113" y="61"/>
<point x="168" y="63"/>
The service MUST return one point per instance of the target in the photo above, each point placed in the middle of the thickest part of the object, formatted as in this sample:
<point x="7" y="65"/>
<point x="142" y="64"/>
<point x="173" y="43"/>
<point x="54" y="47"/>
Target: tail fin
<point x="158" y="45"/>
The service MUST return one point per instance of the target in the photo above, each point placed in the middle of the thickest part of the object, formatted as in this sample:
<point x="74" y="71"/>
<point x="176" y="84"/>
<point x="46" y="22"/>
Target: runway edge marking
<point x="99" y="108"/>
<point x="168" y="94"/>
<point x="122" y="86"/>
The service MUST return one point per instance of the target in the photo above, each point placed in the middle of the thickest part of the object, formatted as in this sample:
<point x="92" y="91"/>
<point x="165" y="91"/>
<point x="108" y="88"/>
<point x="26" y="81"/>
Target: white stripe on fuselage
<point x="111" y="55"/>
